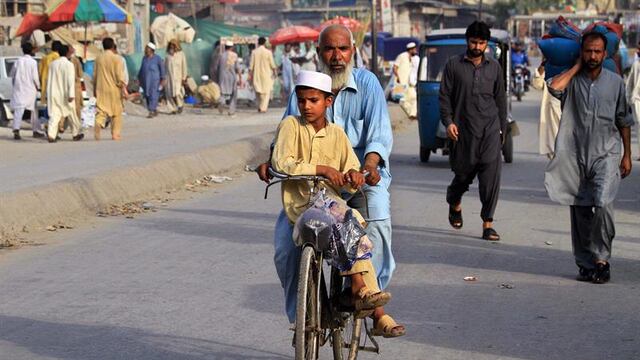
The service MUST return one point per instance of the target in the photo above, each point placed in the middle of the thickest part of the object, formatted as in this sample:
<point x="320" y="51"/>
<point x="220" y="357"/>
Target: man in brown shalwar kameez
<point x="108" y="82"/>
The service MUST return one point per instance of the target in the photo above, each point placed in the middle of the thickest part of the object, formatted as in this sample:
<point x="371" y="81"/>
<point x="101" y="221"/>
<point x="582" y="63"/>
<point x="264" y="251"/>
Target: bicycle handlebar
<point x="315" y="178"/>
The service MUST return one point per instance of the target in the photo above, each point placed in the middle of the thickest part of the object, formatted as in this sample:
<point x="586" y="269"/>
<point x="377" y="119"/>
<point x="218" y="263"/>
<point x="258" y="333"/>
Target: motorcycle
<point x="519" y="81"/>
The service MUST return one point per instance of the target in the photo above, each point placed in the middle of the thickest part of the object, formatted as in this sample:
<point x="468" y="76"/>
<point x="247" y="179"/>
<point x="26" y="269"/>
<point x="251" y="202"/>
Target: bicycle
<point x="322" y="316"/>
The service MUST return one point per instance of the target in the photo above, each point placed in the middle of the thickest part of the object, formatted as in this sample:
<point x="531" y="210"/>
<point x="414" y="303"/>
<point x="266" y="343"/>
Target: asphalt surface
<point x="196" y="281"/>
<point x="34" y="162"/>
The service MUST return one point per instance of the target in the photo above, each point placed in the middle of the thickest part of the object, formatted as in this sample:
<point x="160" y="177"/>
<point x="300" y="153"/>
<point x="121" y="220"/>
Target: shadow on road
<point x="106" y="342"/>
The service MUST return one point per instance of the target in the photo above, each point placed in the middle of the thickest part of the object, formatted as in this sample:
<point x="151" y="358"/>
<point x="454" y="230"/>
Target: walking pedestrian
<point x="177" y="73"/>
<point x="79" y="74"/>
<point x="108" y="87"/>
<point x="357" y="109"/>
<point x="310" y="60"/>
<point x="43" y="68"/>
<point x="287" y="72"/>
<point x="151" y="76"/>
<point x="366" y="52"/>
<point x="402" y="69"/>
<point x="61" y="87"/>
<point x="229" y="75"/>
<point x="25" y="81"/>
<point x="473" y="108"/>
<point x="262" y="71"/>
<point x="633" y="93"/>
<point x="215" y="62"/>
<point x="587" y="167"/>
<point x="549" y="114"/>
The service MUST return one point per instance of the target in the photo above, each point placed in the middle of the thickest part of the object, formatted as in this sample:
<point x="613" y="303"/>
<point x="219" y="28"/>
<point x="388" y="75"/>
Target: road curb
<point x="81" y="197"/>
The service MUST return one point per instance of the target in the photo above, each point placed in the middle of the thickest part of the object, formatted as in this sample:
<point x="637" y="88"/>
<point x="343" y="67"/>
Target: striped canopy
<point x="66" y="11"/>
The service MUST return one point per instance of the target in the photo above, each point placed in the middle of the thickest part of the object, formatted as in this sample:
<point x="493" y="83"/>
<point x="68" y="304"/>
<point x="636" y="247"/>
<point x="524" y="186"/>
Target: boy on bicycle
<point x="311" y="145"/>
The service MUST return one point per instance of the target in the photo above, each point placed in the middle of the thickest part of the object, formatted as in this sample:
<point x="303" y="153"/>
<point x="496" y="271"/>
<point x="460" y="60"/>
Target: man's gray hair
<point x="334" y="27"/>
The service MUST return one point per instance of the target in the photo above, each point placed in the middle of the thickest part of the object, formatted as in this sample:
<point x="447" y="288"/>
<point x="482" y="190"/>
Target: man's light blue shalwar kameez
<point x="361" y="110"/>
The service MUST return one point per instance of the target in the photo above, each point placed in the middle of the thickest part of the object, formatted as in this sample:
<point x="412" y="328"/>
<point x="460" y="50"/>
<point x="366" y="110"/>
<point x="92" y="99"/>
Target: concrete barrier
<point x="81" y="197"/>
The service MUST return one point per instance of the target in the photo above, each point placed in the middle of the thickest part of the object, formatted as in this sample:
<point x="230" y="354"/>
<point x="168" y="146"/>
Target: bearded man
<point x="473" y="108"/>
<point x="358" y="109"/>
<point x="587" y="167"/>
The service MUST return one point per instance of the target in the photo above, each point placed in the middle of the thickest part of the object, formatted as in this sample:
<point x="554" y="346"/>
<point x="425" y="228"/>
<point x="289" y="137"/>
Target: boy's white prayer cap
<point x="204" y="77"/>
<point x="315" y="80"/>
<point x="228" y="43"/>
<point x="151" y="46"/>
<point x="411" y="45"/>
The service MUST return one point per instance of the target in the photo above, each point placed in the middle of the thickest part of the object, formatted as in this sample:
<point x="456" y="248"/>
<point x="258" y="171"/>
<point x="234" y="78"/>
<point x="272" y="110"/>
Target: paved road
<point x="34" y="162"/>
<point x="195" y="280"/>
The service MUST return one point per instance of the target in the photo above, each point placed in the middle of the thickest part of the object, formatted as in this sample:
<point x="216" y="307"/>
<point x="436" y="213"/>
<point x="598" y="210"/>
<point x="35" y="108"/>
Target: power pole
<point x="480" y="11"/>
<point x="374" y="38"/>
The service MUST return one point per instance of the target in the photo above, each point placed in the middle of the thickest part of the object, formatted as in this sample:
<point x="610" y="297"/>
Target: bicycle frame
<point x="328" y="302"/>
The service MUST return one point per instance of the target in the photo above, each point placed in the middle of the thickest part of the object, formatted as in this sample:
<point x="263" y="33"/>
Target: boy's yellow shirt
<point x="298" y="149"/>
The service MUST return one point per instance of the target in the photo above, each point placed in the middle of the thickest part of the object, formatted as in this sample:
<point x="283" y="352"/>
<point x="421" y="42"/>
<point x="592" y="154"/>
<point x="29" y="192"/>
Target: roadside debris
<point x="506" y="286"/>
<point x="250" y="168"/>
<point x="217" y="179"/>
<point x="548" y="242"/>
<point x="128" y="210"/>
<point x="470" y="278"/>
<point x="58" y="226"/>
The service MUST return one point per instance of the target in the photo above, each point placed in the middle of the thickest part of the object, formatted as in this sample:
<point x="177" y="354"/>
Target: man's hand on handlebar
<point x="263" y="172"/>
<point x="355" y="178"/>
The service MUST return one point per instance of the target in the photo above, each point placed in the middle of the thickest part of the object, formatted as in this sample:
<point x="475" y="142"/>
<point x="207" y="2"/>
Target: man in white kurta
<point x="633" y="96"/>
<point x="550" y="113"/>
<point x="61" y="92"/>
<point x="262" y="72"/>
<point x="177" y="73"/>
<point x="402" y="69"/>
<point x="26" y="81"/>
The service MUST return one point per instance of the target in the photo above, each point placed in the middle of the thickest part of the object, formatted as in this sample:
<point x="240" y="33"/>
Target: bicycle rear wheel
<point x="307" y="307"/>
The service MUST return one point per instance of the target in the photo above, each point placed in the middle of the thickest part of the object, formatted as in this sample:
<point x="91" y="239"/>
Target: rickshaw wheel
<point x="424" y="154"/>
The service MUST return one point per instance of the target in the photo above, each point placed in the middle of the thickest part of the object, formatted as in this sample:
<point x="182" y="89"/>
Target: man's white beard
<point x="340" y="79"/>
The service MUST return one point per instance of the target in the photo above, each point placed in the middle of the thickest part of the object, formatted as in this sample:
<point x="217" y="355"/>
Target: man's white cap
<point x="411" y="45"/>
<point x="151" y="46"/>
<point x="228" y="43"/>
<point x="315" y="80"/>
<point x="204" y="78"/>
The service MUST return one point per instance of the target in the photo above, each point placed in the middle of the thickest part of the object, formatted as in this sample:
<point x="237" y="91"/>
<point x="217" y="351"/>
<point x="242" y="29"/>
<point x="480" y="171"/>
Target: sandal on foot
<point x="368" y="299"/>
<point x="490" y="234"/>
<point x="387" y="327"/>
<point x="455" y="218"/>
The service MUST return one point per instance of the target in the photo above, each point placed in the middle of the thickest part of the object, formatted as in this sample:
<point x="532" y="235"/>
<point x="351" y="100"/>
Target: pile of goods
<point x="561" y="46"/>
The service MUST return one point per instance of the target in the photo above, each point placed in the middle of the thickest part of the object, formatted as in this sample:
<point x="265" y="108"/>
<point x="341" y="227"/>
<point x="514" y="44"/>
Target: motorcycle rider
<point x="519" y="57"/>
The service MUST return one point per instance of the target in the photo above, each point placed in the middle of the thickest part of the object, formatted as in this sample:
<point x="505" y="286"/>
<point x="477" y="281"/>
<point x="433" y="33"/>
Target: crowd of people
<point x="169" y="79"/>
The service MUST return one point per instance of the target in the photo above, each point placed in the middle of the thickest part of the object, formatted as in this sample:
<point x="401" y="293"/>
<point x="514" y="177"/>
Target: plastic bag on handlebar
<point x="347" y="241"/>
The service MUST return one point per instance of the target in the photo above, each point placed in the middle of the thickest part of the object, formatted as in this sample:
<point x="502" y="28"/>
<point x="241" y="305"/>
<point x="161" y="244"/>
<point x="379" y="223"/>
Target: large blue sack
<point x="563" y="30"/>
<point x="612" y="39"/>
<point x="560" y="51"/>
<point x="553" y="70"/>
<point x="610" y="65"/>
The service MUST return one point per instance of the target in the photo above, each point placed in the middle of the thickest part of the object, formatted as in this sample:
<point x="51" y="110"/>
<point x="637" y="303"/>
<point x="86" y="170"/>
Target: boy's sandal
<point x="387" y="327"/>
<point x="455" y="218"/>
<point x="490" y="234"/>
<point x="368" y="299"/>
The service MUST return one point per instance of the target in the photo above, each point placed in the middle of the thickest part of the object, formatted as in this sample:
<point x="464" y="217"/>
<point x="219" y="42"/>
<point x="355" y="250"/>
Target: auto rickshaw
<point x="440" y="46"/>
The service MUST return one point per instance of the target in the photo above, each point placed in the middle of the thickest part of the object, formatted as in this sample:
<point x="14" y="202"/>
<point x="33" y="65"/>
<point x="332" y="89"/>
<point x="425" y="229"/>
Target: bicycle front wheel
<point x="346" y="340"/>
<point x="307" y="319"/>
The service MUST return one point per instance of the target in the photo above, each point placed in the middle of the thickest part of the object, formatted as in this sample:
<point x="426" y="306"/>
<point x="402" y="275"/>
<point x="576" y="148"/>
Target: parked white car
<point x="6" y="87"/>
